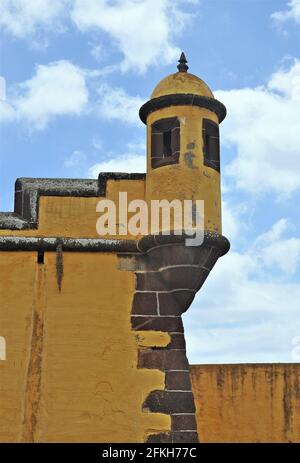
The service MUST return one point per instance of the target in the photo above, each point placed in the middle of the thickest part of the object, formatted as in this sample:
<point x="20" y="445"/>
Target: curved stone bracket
<point x="168" y="275"/>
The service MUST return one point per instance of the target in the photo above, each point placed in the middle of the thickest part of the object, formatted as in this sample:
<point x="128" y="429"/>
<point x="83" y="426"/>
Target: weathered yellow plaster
<point x="152" y="339"/>
<point x="17" y="283"/>
<point x="76" y="216"/>
<point x="182" y="82"/>
<point x="247" y="403"/>
<point x="190" y="178"/>
<point x="71" y="372"/>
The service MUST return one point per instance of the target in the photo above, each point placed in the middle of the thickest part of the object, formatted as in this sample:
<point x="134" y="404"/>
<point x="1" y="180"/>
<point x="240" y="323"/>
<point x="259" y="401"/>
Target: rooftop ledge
<point x="145" y="244"/>
<point x="26" y="212"/>
<point x="29" y="190"/>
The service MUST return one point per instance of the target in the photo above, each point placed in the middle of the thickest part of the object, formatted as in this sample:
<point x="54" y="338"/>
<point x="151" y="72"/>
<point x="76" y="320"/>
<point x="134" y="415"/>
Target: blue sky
<point x="76" y="73"/>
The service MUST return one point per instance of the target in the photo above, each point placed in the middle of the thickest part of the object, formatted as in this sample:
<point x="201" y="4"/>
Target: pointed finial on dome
<point x="182" y="66"/>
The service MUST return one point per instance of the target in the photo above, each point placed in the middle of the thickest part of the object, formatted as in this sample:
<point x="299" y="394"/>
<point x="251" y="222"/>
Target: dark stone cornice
<point x="182" y="99"/>
<point x="12" y="221"/>
<point x="29" y="243"/>
<point x="146" y="243"/>
<point x="29" y="190"/>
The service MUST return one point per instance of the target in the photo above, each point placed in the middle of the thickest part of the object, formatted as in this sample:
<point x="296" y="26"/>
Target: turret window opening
<point x="211" y="144"/>
<point x="165" y="142"/>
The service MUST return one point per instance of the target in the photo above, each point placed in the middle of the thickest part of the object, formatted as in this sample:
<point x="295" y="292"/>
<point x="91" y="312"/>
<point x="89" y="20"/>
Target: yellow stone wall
<point x="71" y="371"/>
<point x="247" y="403"/>
<point x="76" y="216"/>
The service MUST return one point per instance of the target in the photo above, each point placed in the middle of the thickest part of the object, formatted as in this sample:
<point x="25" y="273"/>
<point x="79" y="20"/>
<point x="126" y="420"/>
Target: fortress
<point x="95" y="347"/>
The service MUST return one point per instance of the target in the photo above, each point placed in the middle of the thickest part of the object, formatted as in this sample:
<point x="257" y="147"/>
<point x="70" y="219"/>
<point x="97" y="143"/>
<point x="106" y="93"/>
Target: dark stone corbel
<point x="168" y="275"/>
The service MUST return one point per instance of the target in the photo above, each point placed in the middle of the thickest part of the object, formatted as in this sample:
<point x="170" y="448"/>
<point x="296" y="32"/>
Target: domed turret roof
<point x="182" y="82"/>
<point x="182" y="89"/>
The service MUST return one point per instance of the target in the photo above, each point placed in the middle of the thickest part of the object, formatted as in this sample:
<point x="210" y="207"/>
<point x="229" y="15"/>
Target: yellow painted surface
<point x="76" y="216"/>
<point x="152" y="339"/>
<point x="17" y="281"/>
<point x="182" y="82"/>
<point x="71" y="371"/>
<point x="189" y="179"/>
<point x="247" y="403"/>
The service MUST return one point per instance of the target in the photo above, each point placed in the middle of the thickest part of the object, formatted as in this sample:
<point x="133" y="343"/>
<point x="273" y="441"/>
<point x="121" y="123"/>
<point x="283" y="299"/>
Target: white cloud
<point x="60" y="89"/>
<point x="263" y="127"/>
<point x="232" y="226"/>
<point x="126" y="163"/>
<point x="287" y="83"/>
<point x="97" y="144"/>
<point x="56" y="89"/>
<point x="97" y="51"/>
<point x="76" y="159"/>
<point x="293" y="12"/>
<point x="132" y="161"/>
<point x="24" y="18"/>
<point x="2" y="89"/>
<point x="274" y="234"/>
<point x="284" y="254"/>
<point x="275" y="251"/>
<point x="115" y="103"/>
<point x="7" y="113"/>
<point x="243" y="313"/>
<point x="143" y="30"/>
